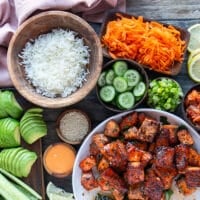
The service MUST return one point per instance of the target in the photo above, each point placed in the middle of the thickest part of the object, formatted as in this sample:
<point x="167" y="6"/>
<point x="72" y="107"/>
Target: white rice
<point x="55" y="63"/>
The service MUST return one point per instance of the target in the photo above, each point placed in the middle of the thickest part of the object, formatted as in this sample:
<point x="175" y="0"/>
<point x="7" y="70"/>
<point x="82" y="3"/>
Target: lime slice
<point x="194" y="68"/>
<point x="56" y="193"/>
<point x="194" y="42"/>
<point x="192" y="55"/>
<point x="54" y="196"/>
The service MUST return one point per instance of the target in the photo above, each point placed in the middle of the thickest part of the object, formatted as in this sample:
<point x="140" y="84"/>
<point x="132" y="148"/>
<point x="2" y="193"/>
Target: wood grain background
<point x="181" y="13"/>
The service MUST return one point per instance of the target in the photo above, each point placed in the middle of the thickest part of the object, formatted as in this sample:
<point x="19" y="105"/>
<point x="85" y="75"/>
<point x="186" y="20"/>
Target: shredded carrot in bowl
<point x="149" y="43"/>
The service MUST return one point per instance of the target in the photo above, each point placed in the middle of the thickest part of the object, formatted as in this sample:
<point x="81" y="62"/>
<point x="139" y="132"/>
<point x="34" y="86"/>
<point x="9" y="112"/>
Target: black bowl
<point x="131" y="65"/>
<point x="185" y="106"/>
<point x="155" y="106"/>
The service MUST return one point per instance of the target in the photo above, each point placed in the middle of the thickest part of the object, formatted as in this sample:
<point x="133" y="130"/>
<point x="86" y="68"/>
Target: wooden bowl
<point x="131" y="65"/>
<point x="184" y="107"/>
<point x="112" y="15"/>
<point x="56" y="156"/>
<point x="73" y="113"/>
<point x="41" y="24"/>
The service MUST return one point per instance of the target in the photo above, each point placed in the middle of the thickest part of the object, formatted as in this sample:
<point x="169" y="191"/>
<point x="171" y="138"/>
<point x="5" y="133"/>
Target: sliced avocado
<point x="2" y="161"/>
<point x="31" y="122"/>
<point x="17" y="161"/>
<point x="17" y="165"/>
<point x="10" y="104"/>
<point x="3" y="113"/>
<point x="27" y="159"/>
<point x="12" y="154"/>
<point x="8" y="161"/>
<point x="35" y="110"/>
<point x="29" y="115"/>
<point x="9" y="132"/>
<point x="32" y="134"/>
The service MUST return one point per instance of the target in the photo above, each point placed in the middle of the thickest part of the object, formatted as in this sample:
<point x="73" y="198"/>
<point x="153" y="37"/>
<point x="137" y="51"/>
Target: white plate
<point x="81" y="194"/>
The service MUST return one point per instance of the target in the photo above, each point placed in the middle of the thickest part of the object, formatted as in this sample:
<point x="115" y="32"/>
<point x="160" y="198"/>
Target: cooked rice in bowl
<point x="56" y="63"/>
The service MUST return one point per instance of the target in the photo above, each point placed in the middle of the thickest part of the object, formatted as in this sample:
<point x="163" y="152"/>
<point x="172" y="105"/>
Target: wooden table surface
<point x="182" y="13"/>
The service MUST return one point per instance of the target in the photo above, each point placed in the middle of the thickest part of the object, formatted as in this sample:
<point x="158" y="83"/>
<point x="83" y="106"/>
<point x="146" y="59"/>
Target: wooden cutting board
<point x="36" y="178"/>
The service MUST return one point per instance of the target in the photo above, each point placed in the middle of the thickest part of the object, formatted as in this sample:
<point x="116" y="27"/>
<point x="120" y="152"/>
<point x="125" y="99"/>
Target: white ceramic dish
<point x="81" y="194"/>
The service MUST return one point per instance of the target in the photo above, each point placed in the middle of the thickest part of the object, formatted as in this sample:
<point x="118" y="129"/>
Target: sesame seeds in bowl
<point x="73" y="125"/>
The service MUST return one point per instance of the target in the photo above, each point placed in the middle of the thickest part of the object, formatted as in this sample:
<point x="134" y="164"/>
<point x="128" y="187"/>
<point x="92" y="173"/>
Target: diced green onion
<point x="164" y="94"/>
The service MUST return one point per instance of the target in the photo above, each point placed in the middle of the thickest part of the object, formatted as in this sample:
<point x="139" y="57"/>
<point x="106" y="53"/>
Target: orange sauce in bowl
<point x="59" y="159"/>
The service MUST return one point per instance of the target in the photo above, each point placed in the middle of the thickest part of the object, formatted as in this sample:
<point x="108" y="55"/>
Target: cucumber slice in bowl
<point x="120" y="67"/>
<point x="110" y="75"/>
<point x="139" y="89"/>
<point x="107" y="93"/>
<point x="120" y="84"/>
<point x="132" y="76"/>
<point x="126" y="100"/>
<point x="127" y="77"/>
<point x="102" y="79"/>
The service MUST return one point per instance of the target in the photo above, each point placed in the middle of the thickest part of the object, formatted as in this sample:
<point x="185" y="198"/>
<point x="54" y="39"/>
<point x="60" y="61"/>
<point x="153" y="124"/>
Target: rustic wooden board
<point x="36" y="178"/>
<point x="165" y="9"/>
<point x="181" y="13"/>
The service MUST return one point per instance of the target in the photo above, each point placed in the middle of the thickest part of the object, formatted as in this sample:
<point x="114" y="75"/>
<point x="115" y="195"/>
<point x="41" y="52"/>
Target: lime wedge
<point x="56" y="193"/>
<point x="192" y="55"/>
<point x="194" y="42"/>
<point x="54" y="196"/>
<point x="194" y="68"/>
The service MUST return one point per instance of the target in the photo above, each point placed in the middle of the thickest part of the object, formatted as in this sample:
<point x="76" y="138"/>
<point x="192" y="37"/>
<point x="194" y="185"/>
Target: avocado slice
<point x="17" y="161"/>
<point x="35" y="110"/>
<point x="32" y="134"/>
<point x="32" y="125"/>
<point x="10" y="104"/>
<point x="27" y="159"/>
<point x="17" y="166"/>
<point x="9" y="133"/>
<point x="10" y="159"/>
<point x="30" y="120"/>
<point x="3" y="113"/>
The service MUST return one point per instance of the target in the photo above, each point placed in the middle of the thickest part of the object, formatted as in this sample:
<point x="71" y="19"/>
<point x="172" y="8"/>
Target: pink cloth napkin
<point x="14" y="12"/>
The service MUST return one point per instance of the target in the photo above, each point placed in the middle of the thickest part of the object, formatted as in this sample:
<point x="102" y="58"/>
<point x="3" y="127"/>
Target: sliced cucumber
<point x="120" y="84"/>
<point x="126" y="100"/>
<point x="107" y="93"/>
<point x="120" y="67"/>
<point x="21" y="183"/>
<point x="102" y="79"/>
<point x="110" y="75"/>
<point x="139" y="89"/>
<point x="132" y="76"/>
<point x="9" y="191"/>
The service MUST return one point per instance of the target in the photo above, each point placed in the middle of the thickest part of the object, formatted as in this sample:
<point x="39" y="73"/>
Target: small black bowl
<point x="158" y="105"/>
<point x="185" y="105"/>
<point x="131" y="65"/>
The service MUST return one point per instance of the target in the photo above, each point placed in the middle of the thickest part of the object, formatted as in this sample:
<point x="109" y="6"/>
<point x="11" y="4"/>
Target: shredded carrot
<point x="149" y="43"/>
